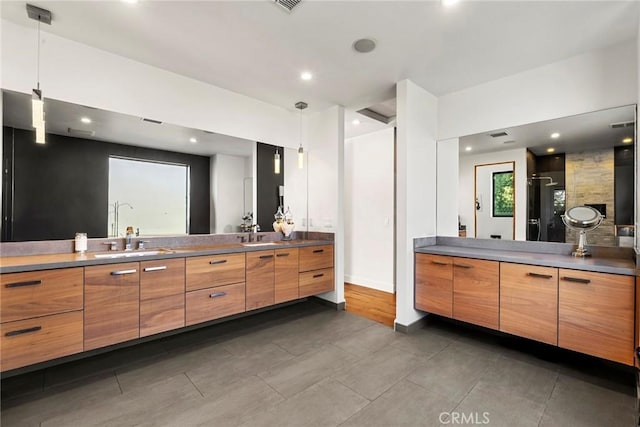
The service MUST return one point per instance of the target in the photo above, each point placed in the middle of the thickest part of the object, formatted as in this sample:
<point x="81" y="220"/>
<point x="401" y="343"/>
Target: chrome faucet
<point x="254" y="232"/>
<point x="141" y="244"/>
<point x="112" y="245"/>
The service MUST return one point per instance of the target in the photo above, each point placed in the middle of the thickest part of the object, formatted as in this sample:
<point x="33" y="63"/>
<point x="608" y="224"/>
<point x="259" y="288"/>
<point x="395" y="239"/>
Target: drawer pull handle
<point x="318" y="251"/>
<point x="541" y="276"/>
<point x="23" y="331"/>
<point x="21" y="284"/>
<point x="285" y="254"/>
<point x="266" y="256"/>
<point x="315" y="276"/>
<point x="162" y="267"/>
<point x="219" y="261"/>
<point x="439" y="263"/>
<point x="576" y="280"/>
<point x="123" y="272"/>
<point x="217" y="294"/>
<point x="463" y="265"/>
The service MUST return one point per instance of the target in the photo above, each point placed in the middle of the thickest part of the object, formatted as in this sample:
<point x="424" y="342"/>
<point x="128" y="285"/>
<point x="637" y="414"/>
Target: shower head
<point x="551" y="182"/>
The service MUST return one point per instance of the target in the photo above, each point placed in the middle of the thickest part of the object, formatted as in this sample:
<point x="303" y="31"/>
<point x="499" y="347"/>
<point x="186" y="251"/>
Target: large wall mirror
<point x="586" y="159"/>
<point x="101" y="172"/>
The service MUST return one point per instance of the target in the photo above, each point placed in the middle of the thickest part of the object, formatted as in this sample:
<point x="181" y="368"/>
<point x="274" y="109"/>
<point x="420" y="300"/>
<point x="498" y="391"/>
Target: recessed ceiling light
<point x="467" y="149"/>
<point x="448" y="3"/>
<point x="86" y="120"/>
<point x="306" y="75"/>
<point x="356" y="122"/>
<point x="627" y="140"/>
<point x="365" y="45"/>
<point x="193" y="140"/>
<point x="550" y="150"/>
<point x="129" y="1"/>
<point x="555" y="135"/>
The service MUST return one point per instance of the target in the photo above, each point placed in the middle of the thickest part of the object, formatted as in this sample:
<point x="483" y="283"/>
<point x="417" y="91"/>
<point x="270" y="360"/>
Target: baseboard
<point x="337" y="306"/>
<point x="412" y="327"/>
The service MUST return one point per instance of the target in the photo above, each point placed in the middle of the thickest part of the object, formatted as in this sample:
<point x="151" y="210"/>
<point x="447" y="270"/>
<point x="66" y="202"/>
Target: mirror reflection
<point x="558" y="164"/>
<point x="101" y="172"/>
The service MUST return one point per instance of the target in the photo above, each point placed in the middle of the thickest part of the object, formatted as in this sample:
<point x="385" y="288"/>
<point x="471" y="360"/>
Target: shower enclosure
<point x="546" y="198"/>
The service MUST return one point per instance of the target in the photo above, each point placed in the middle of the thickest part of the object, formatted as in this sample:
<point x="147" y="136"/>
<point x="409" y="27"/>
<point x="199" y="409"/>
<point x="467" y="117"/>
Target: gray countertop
<point x="598" y="264"/>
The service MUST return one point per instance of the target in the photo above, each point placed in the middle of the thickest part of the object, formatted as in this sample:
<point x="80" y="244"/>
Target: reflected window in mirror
<point x="503" y="200"/>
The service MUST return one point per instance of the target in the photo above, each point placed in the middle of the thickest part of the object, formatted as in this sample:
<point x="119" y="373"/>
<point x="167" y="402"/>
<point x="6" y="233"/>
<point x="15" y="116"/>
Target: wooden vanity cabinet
<point x="476" y="291"/>
<point x="214" y="270"/>
<point x="286" y="275"/>
<point x="434" y="284"/>
<point x="316" y="275"/>
<point x="41" y="316"/>
<point x="260" y="285"/>
<point x="596" y="314"/>
<point x="529" y="301"/>
<point x="111" y="304"/>
<point x="162" y="288"/>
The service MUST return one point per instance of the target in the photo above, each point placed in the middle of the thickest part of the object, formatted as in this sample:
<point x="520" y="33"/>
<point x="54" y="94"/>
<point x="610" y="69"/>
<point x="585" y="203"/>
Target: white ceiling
<point x="584" y="132"/>
<point x="257" y="49"/>
<point x="120" y="128"/>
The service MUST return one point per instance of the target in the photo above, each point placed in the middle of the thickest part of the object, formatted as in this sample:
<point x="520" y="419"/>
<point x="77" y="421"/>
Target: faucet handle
<point x="112" y="245"/>
<point x="141" y="243"/>
<point x="242" y="239"/>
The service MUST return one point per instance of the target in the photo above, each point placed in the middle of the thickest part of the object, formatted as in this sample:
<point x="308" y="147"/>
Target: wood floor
<point x="370" y="303"/>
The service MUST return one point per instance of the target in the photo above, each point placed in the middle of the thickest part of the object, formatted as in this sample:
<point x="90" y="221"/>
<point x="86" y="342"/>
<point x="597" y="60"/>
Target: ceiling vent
<point x="512" y="141"/>
<point x="622" y="125"/>
<point x="288" y="5"/>
<point x="498" y="134"/>
<point x="156" y="122"/>
<point x="81" y="133"/>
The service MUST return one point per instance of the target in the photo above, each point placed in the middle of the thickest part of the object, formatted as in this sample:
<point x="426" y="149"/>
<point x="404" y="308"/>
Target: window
<point x="503" y="194"/>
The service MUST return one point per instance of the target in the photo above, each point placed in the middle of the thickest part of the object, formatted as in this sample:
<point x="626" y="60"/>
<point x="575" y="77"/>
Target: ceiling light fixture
<point x="555" y="135"/>
<point x="276" y="163"/>
<point x="627" y="140"/>
<point x="193" y="140"/>
<point x="356" y="122"/>
<point x="467" y="149"/>
<point x="365" y="45"/>
<point x="301" y="106"/>
<point x="86" y="120"/>
<point x="306" y="75"/>
<point x="551" y="150"/>
<point x="130" y="1"/>
<point x="37" y="101"/>
<point x="449" y="3"/>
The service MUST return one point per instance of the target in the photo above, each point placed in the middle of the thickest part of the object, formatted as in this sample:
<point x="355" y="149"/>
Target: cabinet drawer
<point x="161" y="278"/>
<point x="595" y="314"/>
<point x="161" y="314"/>
<point x="315" y="282"/>
<point x="434" y="284"/>
<point x="529" y="301"/>
<point x="39" y="293"/>
<point x="214" y="270"/>
<point x="315" y="258"/>
<point x="214" y="303"/>
<point x="26" y="342"/>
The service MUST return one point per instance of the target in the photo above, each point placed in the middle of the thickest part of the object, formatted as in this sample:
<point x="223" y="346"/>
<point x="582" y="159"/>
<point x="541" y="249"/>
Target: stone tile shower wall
<point x="589" y="179"/>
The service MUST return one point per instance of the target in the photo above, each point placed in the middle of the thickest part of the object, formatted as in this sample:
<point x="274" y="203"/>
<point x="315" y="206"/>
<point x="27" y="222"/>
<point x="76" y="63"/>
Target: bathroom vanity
<point x="62" y="304"/>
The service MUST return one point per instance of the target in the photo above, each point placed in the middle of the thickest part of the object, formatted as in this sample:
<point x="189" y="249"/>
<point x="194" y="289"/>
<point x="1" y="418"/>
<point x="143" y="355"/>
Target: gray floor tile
<point x="295" y="375"/>
<point x="484" y="403"/>
<point x="424" y="342"/>
<point x="211" y="377"/>
<point x="375" y="374"/>
<point x="578" y="403"/>
<point x="55" y="401"/>
<point x="367" y="341"/>
<point x="510" y="376"/>
<point x="327" y="403"/>
<point x="404" y="404"/>
<point x="19" y="385"/>
<point x="452" y="372"/>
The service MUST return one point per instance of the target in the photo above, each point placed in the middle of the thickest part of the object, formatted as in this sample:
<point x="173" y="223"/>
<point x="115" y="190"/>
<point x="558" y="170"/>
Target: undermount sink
<point x="131" y="254"/>
<point x="259" y="244"/>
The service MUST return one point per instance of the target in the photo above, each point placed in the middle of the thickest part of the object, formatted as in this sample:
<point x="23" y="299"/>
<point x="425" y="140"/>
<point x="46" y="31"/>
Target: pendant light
<point x="276" y="163"/>
<point x="37" y="101"/>
<point x="301" y="106"/>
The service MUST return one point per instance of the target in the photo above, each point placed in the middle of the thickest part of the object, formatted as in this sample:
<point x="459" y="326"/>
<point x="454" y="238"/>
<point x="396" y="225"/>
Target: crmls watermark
<point x="464" y="418"/>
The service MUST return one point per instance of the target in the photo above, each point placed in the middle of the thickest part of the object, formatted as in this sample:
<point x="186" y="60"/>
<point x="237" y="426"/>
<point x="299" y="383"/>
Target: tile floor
<point x="307" y="365"/>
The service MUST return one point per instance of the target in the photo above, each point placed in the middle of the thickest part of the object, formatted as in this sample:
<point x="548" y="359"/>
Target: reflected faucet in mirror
<point x="116" y="216"/>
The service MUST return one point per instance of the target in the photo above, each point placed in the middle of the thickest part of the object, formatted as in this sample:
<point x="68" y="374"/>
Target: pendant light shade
<point x="37" y="108"/>
<point x="301" y="106"/>
<point x="40" y="136"/>
<point x="276" y="163"/>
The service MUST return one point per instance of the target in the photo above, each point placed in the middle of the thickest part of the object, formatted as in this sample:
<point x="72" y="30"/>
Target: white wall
<point x="369" y="210"/>
<point x="466" y="200"/>
<point x="592" y="81"/>
<point x="486" y="224"/>
<point x="415" y="187"/>
<point x="447" y="207"/>
<point x="325" y="161"/>
<point x="227" y="189"/>
<point x="77" y="73"/>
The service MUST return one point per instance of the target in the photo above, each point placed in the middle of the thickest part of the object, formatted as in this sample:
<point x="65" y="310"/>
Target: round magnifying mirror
<point x="583" y="218"/>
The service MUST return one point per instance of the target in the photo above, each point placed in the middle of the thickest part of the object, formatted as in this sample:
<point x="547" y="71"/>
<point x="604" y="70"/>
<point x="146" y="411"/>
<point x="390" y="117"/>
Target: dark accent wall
<point x="62" y="187"/>
<point x="541" y="198"/>
<point x="268" y="184"/>
<point x="623" y="184"/>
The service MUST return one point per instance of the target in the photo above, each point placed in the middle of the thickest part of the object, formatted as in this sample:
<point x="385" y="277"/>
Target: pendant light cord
<point x="38" y="50"/>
